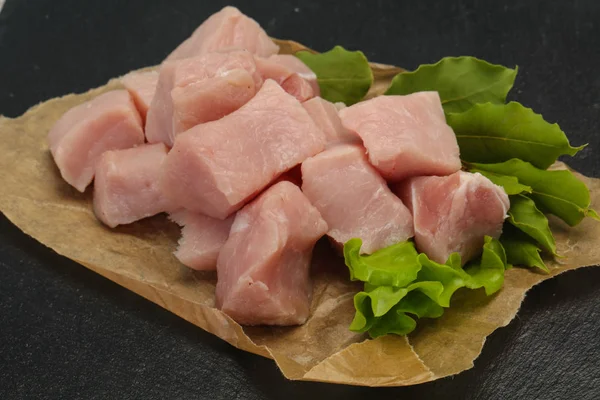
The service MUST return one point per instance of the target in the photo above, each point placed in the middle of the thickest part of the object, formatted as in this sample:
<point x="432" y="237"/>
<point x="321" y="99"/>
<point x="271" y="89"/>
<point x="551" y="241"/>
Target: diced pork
<point x="325" y="114"/>
<point x="141" y="87"/>
<point x="340" y="105"/>
<point x="454" y="213"/>
<point x="354" y="199"/>
<point x="405" y="135"/>
<point x="291" y="73"/>
<point x="263" y="268"/>
<point x="215" y="168"/>
<point x="198" y="90"/>
<point x="78" y="139"/>
<point x="126" y="186"/>
<point x="201" y="239"/>
<point x="227" y="29"/>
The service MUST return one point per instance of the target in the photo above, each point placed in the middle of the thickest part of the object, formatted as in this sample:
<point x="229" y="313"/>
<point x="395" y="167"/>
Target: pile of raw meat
<point x="235" y="144"/>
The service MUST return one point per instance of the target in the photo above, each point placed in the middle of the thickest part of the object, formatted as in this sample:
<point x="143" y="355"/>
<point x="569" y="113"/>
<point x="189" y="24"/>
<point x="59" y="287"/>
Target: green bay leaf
<point x="342" y="75"/>
<point x="493" y="133"/>
<point x="556" y="192"/>
<point x="521" y="249"/>
<point x="460" y="81"/>
<point x="510" y="184"/>
<point x="525" y="216"/>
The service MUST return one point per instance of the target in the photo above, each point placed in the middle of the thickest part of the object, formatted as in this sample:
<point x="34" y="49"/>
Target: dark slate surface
<point x="68" y="333"/>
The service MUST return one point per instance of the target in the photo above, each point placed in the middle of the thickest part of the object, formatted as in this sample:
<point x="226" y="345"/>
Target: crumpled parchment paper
<point x="139" y="257"/>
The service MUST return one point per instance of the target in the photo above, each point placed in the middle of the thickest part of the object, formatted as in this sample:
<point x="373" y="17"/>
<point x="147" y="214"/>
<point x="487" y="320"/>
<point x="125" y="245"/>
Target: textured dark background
<point x="67" y="333"/>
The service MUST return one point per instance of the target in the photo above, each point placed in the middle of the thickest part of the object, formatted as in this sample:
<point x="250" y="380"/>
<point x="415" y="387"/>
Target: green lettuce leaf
<point x="556" y="192"/>
<point x="395" y="265"/>
<point x="493" y="133"/>
<point x="342" y="75"/>
<point x="521" y="249"/>
<point x="510" y="184"/>
<point x="460" y="81"/>
<point x="398" y="320"/>
<point x="451" y="278"/>
<point x="383" y="298"/>
<point x="488" y="272"/>
<point x="524" y="215"/>
<point x="383" y="309"/>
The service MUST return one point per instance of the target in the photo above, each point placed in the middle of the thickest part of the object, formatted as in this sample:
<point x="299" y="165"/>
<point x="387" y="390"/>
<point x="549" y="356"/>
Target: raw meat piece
<point x="126" y="186"/>
<point x="198" y="90"/>
<point x="296" y="65"/>
<point x="354" y="200"/>
<point x="226" y="29"/>
<point x="453" y="213"/>
<point x="141" y="87"/>
<point x="294" y="175"/>
<point x="405" y="135"/>
<point x="78" y="139"/>
<point x="215" y="168"/>
<point x="263" y="268"/>
<point x="325" y="115"/>
<point x="291" y="73"/>
<point x="201" y="239"/>
<point x="298" y="87"/>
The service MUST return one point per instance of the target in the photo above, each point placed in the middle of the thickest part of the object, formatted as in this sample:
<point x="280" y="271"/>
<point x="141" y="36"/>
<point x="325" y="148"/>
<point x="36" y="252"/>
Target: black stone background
<point x="67" y="333"/>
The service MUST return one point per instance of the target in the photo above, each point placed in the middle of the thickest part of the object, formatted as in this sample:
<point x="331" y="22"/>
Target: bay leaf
<point x="460" y="81"/>
<point x="556" y="192"/>
<point x="521" y="249"/>
<point x="525" y="216"/>
<point x="510" y="184"/>
<point x="342" y="75"/>
<point x="493" y="133"/>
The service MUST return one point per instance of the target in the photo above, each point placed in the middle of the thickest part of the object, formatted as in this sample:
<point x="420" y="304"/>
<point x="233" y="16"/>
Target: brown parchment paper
<point x="139" y="257"/>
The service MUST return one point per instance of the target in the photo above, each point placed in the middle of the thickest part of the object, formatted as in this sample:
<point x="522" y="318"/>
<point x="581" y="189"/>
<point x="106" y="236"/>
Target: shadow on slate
<point x="66" y="332"/>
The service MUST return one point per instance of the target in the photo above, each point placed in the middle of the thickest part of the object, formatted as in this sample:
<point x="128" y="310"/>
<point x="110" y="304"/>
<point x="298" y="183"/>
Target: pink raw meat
<point x="82" y="134"/>
<point x="354" y="200"/>
<point x="405" y="135"/>
<point x="263" y="268"/>
<point x="226" y="29"/>
<point x="291" y="73"/>
<point x="141" y="86"/>
<point x="325" y="114"/>
<point x="454" y="213"/>
<point x="126" y="186"/>
<point x="198" y="90"/>
<point x="215" y="168"/>
<point x="201" y="239"/>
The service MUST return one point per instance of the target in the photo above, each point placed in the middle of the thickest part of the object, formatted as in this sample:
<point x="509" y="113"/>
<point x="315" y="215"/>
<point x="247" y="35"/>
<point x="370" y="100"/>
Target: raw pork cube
<point x="199" y="90"/>
<point x="82" y="134"/>
<point x="454" y="213"/>
<point x="141" y="86"/>
<point x="227" y="29"/>
<point x="126" y="187"/>
<point x="325" y="114"/>
<point x="215" y="168"/>
<point x="291" y="73"/>
<point x="354" y="199"/>
<point x="263" y="268"/>
<point x="201" y="239"/>
<point x="405" y="135"/>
